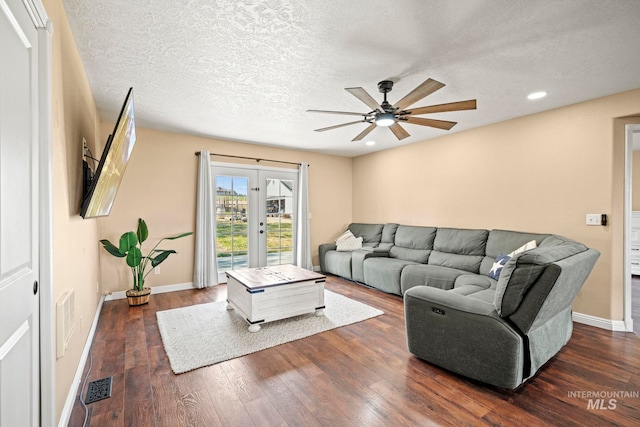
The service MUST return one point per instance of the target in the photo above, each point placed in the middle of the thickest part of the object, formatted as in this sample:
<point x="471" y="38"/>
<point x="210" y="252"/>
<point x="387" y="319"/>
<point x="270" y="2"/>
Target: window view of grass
<point x="232" y="236"/>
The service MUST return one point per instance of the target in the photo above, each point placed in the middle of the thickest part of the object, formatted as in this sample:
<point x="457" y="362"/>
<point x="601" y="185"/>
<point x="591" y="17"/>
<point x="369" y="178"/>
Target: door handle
<point x="261" y="231"/>
<point x="35" y="287"/>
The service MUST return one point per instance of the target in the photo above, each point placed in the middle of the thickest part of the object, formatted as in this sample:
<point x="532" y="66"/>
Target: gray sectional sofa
<point x="496" y="330"/>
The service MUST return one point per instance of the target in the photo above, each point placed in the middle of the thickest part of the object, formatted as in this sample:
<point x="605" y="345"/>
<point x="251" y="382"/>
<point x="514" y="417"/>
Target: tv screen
<point x="105" y="182"/>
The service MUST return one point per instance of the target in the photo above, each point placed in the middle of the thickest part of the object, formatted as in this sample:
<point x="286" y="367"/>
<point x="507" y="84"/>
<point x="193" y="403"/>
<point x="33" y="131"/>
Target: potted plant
<point x="130" y="247"/>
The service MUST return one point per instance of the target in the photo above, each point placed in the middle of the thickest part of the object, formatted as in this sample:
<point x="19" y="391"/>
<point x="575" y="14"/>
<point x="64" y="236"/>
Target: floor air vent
<point x="98" y="390"/>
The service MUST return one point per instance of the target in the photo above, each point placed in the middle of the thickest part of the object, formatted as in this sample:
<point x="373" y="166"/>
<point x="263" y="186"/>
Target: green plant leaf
<point x="134" y="257"/>
<point x="127" y="241"/>
<point x="111" y="248"/>
<point x="155" y="261"/>
<point x="179" y="236"/>
<point x="143" y="231"/>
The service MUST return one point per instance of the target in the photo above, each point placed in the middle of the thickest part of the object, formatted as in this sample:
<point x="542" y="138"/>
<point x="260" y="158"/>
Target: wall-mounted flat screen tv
<point x="101" y="190"/>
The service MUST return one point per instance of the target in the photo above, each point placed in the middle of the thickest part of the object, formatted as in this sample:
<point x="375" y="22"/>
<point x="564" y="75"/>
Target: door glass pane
<point x="280" y="220"/>
<point x="231" y="222"/>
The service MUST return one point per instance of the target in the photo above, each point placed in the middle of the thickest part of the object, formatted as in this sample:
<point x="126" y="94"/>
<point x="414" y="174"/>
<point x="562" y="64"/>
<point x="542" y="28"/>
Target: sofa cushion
<point x="459" y="248"/>
<point x="389" y="233"/>
<point x="468" y="263"/>
<point x="338" y="263"/>
<point x="413" y="243"/>
<point x="428" y="275"/>
<point x="461" y="241"/>
<point x="384" y="273"/>
<point x="413" y="255"/>
<point x="467" y="289"/>
<point x="371" y="233"/>
<point x="414" y="237"/>
<point x="475" y="280"/>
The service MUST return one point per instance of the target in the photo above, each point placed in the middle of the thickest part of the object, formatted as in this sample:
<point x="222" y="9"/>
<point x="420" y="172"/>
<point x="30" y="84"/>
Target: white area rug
<point x="205" y="334"/>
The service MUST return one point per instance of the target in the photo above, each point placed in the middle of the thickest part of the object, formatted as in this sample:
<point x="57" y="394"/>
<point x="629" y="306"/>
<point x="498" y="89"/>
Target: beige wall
<point x="75" y="258"/>
<point x="160" y="187"/>
<point x="540" y="173"/>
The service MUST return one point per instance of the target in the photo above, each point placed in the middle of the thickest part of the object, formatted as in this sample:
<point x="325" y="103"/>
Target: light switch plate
<point x="594" y="219"/>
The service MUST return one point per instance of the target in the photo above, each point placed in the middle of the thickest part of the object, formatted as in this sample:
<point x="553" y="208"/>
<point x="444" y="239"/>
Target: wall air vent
<point x="65" y="321"/>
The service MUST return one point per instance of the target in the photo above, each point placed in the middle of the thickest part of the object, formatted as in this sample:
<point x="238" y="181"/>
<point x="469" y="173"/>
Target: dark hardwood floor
<point x="357" y="375"/>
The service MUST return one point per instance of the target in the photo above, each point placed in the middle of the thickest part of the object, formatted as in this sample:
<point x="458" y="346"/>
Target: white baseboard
<point x="154" y="290"/>
<point x="599" y="322"/>
<point x="73" y="390"/>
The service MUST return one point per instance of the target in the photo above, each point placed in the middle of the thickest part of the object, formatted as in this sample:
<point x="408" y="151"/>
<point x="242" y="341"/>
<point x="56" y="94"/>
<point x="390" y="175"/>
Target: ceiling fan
<point x="392" y="116"/>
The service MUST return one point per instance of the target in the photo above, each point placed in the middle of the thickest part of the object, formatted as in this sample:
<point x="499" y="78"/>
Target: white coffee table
<point x="266" y="294"/>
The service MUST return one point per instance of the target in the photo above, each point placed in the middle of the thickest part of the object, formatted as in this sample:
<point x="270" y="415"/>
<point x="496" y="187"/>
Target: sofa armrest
<point x="322" y="251"/>
<point x="464" y="335"/>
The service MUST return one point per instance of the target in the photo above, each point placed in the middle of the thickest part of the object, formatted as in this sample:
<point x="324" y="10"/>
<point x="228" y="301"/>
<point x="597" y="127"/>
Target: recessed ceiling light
<point x="537" y="95"/>
<point x="370" y="143"/>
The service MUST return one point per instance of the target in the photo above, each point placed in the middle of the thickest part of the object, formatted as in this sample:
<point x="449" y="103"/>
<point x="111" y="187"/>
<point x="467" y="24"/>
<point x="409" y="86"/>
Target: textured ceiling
<point x="248" y="70"/>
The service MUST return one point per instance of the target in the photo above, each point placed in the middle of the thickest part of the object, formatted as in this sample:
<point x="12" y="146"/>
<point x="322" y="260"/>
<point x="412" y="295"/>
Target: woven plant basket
<point x="138" y="297"/>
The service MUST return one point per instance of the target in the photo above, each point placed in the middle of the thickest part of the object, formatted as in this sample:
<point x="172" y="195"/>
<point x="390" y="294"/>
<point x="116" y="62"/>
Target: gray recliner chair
<point x="502" y="336"/>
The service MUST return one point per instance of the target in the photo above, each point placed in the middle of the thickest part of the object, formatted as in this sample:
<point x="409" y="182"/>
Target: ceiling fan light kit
<point x="387" y="115"/>
<point x="385" y="119"/>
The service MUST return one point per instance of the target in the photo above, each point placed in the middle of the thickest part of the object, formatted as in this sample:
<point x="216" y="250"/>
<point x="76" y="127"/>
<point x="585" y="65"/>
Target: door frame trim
<point x="630" y="130"/>
<point x="44" y="27"/>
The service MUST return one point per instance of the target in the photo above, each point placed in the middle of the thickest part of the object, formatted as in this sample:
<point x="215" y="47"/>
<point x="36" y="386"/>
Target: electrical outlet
<point x="596" y="219"/>
<point x="156" y="270"/>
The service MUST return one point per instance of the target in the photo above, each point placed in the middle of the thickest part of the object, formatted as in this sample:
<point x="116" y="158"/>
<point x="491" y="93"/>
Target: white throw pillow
<point x="527" y="246"/>
<point x="348" y="242"/>
<point x="346" y="235"/>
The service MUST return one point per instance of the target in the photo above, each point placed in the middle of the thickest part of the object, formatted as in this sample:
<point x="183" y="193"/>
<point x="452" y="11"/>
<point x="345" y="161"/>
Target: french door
<point x="255" y="216"/>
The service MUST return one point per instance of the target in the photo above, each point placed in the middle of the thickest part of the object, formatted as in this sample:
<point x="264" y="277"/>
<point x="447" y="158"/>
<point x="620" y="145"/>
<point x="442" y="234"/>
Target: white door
<point x="277" y="216"/>
<point x="255" y="216"/>
<point x="19" y="300"/>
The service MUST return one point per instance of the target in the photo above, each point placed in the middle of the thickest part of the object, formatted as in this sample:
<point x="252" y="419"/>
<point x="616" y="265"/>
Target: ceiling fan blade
<point x="365" y="132"/>
<point x="399" y="131"/>
<point x="348" y="113"/>
<point x="442" y="108"/>
<point x="363" y="96"/>
<point x="440" y="124"/>
<point x="426" y="88"/>
<point x="339" y="126"/>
